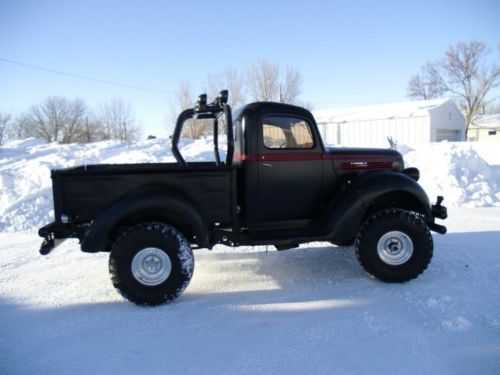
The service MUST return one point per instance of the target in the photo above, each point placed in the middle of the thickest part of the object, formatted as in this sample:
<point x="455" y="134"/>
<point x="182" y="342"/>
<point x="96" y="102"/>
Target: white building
<point x="485" y="128"/>
<point x="408" y="123"/>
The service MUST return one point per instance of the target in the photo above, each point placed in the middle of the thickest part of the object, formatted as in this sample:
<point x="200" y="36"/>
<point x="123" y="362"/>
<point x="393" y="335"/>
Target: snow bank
<point x="26" y="186"/>
<point x="467" y="174"/>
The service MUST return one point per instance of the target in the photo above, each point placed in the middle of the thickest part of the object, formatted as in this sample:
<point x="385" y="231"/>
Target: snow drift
<point x="467" y="174"/>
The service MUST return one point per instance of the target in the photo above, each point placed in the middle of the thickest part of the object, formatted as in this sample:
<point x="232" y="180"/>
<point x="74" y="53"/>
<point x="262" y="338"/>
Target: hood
<point x="362" y="159"/>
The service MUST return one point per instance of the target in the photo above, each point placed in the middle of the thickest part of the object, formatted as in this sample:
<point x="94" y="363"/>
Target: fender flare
<point x="170" y="205"/>
<point x="373" y="185"/>
<point x="347" y="209"/>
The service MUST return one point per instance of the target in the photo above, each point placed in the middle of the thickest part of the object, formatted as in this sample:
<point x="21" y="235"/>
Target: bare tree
<point x="184" y="99"/>
<point x="92" y="130"/>
<point x="5" y="121"/>
<point x="77" y="112"/>
<point x="231" y="80"/>
<point x="291" y="89"/>
<point x="118" y="121"/>
<point x="466" y="74"/>
<point x="265" y="83"/>
<point x="22" y="128"/>
<point x="56" y="119"/>
<point x="425" y="85"/>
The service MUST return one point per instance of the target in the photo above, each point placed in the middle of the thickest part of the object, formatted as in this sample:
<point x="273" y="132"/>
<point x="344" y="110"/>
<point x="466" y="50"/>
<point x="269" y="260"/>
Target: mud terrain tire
<point x="394" y="245"/>
<point x="151" y="263"/>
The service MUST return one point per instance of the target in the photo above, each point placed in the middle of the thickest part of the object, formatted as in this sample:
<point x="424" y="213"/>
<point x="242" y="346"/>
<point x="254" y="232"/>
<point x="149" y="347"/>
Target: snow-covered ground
<point x="305" y="311"/>
<point x="311" y="310"/>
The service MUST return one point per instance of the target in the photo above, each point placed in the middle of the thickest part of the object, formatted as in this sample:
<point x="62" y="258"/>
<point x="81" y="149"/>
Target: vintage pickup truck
<point x="274" y="183"/>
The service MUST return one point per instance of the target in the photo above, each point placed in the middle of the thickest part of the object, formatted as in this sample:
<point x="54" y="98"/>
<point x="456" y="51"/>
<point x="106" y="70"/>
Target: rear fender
<point x="158" y="204"/>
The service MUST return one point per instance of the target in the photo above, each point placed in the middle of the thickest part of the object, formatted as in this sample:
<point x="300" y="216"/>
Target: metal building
<point x="485" y="128"/>
<point x="413" y="122"/>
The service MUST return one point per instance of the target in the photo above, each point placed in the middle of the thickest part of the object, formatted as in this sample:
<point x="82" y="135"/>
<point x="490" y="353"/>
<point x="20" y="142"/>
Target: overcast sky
<point x="349" y="52"/>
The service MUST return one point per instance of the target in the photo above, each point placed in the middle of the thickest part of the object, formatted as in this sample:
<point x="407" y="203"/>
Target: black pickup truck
<point x="271" y="182"/>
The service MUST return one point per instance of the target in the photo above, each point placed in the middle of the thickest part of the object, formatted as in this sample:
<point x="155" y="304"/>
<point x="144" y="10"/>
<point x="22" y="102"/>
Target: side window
<point x="287" y="132"/>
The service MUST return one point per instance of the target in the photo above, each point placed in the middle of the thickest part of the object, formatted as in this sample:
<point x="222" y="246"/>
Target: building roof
<point x="486" y="121"/>
<point x="417" y="108"/>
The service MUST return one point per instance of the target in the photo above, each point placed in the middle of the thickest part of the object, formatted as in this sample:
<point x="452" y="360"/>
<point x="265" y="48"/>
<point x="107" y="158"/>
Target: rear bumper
<point x="54" y="234"/>
<point x="49" y="229"/>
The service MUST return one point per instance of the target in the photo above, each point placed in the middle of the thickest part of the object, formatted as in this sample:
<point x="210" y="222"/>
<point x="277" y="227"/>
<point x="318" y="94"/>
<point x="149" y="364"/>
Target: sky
<point x="348" y="52"/>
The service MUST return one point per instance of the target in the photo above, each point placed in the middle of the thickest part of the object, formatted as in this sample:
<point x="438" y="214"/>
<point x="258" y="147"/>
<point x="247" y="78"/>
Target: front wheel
<point x="151" y="263"/>
<point x="394" y="245"/>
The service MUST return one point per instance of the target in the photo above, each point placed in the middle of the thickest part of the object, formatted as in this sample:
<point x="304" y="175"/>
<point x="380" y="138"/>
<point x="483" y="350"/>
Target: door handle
<point x="266" y="165"/>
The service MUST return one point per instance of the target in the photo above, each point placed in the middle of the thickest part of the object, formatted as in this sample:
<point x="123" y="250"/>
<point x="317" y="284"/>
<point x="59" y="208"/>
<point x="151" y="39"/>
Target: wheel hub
<point x="151" y="266"/>
<point x="395" y="248"/>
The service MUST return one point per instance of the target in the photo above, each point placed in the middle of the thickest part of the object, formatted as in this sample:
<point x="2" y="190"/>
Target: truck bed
<point x="84" y="192"/>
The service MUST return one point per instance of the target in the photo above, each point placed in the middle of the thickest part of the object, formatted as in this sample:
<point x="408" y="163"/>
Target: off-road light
<point x="202" y="100"/>
<point x="223" y="97"/>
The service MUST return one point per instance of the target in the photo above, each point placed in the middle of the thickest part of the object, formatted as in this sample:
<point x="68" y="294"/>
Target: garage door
<point x="447" y="135"/>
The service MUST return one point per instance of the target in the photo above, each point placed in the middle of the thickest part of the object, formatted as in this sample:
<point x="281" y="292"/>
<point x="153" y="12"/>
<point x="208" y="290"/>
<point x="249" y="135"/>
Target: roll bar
<point x="202" y="110"/>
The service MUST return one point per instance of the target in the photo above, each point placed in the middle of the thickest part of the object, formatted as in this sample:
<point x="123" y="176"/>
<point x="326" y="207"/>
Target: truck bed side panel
<point x="88" y="191"/>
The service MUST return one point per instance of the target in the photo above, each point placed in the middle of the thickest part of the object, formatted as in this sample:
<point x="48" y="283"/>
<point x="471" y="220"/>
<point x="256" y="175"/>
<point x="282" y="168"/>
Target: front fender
<point x="347" y="209"/>
<point x="171" y="206"/>
<point x="372" y="185"/>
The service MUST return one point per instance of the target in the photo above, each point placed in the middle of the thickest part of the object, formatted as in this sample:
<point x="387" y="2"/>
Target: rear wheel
<point x="394" y="245"/>
<point x="151" y="263"/>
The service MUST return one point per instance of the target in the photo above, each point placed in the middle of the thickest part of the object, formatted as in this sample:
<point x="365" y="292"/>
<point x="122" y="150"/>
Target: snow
<point x="249" y="310"/>
<point x="309" y="310"/>
<point x="26" y="199"/>
<point x="466" y="174"/>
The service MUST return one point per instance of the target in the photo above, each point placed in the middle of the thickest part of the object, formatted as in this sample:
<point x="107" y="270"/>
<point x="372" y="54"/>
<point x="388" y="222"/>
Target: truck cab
<point x="272" y="181"/>
<point x="280" y="154"/>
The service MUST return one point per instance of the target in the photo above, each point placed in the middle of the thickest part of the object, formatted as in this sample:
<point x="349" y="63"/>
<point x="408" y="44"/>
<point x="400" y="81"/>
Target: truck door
<point x="290" y="163"/>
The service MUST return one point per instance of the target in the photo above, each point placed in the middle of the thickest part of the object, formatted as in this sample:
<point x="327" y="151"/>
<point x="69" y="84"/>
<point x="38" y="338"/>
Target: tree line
<point x="59" y="119"/>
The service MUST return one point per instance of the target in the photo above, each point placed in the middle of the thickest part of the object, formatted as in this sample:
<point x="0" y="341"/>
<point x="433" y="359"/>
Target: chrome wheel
<point x="395" y="248"/>
<point x="151" y="266"/>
